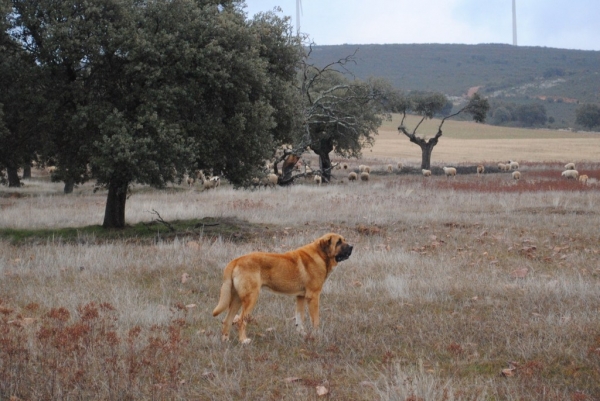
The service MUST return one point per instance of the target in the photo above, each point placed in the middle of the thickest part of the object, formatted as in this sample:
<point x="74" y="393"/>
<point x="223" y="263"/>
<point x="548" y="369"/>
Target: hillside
<point x="559" y="78"/>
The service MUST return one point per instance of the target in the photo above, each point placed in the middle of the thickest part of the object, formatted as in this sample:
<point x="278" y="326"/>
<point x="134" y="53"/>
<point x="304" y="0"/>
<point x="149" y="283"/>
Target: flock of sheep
<point x="571" y="173"/>
<point x="511" y="165"/>
<point x="210" y="182"/>
<point x="364" y="171"/>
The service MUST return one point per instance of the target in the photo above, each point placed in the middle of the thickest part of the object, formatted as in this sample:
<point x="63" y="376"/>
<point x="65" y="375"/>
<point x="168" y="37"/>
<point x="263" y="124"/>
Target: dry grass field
<point x="469" y="142"/>
<point x="473" y="288"/>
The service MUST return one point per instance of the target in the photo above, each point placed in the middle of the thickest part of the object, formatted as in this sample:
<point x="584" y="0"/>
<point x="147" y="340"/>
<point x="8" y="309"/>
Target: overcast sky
<point x="565" y="24"/>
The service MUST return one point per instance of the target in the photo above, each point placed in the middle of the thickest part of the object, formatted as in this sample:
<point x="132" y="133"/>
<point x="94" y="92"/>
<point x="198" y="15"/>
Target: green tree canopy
<point x="22" y="103"/>
<point x="588" y="115"/>
<point x="147" y="91"/>
<point x="501" y="115"/>
<point x="532" y="114"/>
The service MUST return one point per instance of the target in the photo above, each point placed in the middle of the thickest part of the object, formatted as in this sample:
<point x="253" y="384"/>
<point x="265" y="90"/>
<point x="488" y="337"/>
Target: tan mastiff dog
<point x="301" y="272"/>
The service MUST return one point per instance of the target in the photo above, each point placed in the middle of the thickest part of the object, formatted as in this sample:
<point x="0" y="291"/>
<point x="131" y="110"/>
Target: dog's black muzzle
<point x="344" y="254"/>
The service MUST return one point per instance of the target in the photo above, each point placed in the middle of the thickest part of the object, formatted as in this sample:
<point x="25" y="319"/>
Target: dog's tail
<point x="226" y="288"/>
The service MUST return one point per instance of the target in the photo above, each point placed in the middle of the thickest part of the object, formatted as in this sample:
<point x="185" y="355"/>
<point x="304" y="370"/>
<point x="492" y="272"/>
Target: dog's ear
<point x="325" y="242"/>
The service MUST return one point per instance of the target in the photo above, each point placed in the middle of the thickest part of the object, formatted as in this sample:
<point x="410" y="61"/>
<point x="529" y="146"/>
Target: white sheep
<point x="208" y="184"/>
<point x="480" y="169"/>
<point x="449" y="171"/>
<point x="570" y="174"/>
<point x="390" y="168"/>
<point x="583" y="178"/>
<point x="364" y="176"/>
<point x="345" y="166"/>
<point x="200" y="175"/>
<point x="352" y="176"/>
<point x="189" y="180"/>
<point x="426" y="173"/>
<point x="400" y="165"/>
<point x="516" y="175"/>
<point x="272" y="180"/>
<point x="570" y="166"/>
<point x="212" y="182"/>
<point x="361" y="168"/>
<point x="501" y="166"/>
<point x="513" y="165"/>
<point x="318" y="179"/>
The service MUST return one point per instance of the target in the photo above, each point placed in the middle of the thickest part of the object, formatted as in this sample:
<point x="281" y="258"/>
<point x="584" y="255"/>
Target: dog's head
<point x="335" y="246"/>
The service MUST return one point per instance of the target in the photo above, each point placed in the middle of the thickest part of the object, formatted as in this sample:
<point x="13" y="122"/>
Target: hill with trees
<point x="560" y="80"/>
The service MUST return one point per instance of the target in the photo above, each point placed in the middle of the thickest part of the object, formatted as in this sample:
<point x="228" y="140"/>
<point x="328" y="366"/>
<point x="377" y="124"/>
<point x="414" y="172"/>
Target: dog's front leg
<point x="313" y="309"/>
<point x="300" y="306"/>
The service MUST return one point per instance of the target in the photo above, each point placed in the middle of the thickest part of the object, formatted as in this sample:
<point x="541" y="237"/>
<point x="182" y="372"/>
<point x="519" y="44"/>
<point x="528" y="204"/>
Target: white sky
<point x="565" y="24"/>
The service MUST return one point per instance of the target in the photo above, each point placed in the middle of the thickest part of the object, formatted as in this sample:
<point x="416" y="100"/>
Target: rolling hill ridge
<point x="559" y="78"/>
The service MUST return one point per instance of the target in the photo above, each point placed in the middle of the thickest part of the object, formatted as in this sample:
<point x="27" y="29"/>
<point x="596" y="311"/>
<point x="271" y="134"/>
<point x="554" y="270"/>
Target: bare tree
<point x="427" y="106"/>
<point x="341" y="114"/>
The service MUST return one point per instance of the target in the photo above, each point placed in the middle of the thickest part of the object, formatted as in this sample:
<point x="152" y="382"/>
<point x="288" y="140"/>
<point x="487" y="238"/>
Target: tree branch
<point x="162" y="221"/>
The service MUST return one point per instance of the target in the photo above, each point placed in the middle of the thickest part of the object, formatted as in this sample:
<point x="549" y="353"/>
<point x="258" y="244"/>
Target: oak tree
<point x="145" y="92"/>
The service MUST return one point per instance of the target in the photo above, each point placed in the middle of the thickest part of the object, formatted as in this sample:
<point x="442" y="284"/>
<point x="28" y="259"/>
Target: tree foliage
<point x="21" y="100"/>
<point x="145" y="92"/>
<point x="588" y="115"/>
<point x="518" y="115"/>
<point x="501" y="115"/>
<point x="532" y="114"/>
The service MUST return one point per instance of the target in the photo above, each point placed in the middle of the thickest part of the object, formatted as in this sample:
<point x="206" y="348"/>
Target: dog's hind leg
<point x="234" y="306"/>
<point x="248" y="302"/>
<point x="300" y="306"/>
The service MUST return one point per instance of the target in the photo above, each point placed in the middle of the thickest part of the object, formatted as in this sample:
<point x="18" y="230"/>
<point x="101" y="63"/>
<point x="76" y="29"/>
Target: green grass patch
<point x="229" y="228"/>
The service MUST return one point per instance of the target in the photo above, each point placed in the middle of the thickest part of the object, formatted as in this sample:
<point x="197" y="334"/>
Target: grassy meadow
<point x="472" y="288"/>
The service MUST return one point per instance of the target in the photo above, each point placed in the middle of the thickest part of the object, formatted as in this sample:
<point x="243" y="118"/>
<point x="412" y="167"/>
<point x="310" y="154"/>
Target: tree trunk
<point x="69" y="185"/>
<point x="426" y="150"/>
<point x="114" y="214"/>
<point x="13" y="177"/>
<point x="426" y="146"/>
<point x="325" y="147"/>
<point x="26" y="171"/>
<point x="287" y="168"/>
<point x="325" y="165"/>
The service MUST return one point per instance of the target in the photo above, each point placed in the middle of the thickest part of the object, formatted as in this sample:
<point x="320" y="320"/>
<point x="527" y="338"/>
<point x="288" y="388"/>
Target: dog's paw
<point x="246" y="341"/>
<point x="301" y="330"/>
<point x="225" y="338"/>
